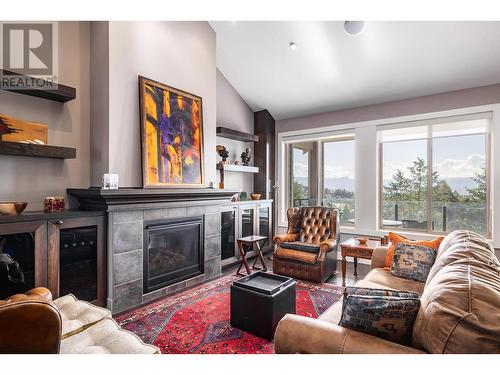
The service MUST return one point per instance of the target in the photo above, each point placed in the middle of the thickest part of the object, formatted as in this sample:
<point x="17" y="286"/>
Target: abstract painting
<point x="172" y="139"/>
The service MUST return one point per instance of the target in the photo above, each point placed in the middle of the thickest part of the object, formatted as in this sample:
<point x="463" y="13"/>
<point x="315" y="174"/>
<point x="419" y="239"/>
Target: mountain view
<point x="458" y="184"/>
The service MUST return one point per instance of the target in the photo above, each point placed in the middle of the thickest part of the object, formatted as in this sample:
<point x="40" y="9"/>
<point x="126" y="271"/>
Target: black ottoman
<point x="259" y="301"/>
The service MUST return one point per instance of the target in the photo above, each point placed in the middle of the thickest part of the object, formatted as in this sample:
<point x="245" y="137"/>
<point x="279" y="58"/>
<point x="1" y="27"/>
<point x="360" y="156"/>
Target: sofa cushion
<point x="298" y="256"/>
<point x="412" y="262"/>
<point x="460" y="306"/>
<point x="301" y="246"/>
<point x="78" y="315"/>
<point x="387" y="317"/>
<point x="383" y="277"/>
<point x="106" y="337"/>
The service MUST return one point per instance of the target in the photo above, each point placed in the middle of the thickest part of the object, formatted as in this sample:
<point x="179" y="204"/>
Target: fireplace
<point x="173" y="251"/>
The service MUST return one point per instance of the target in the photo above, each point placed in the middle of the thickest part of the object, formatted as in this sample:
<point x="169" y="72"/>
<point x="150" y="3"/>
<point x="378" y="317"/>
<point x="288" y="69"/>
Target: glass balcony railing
<point x="446" y="216"/>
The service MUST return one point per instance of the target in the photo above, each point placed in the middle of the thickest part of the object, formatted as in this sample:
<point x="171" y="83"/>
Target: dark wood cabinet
<point x="65" y="252"/>
<point x="26" y="245"/>
<point x="76" y="258"/>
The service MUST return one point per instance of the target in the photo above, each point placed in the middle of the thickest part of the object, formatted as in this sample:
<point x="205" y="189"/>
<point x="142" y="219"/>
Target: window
<point x="434" y="176"/>
<point x="302" y="184"/>
<point x="321" y="172"/>
<point x="338" y="178"/>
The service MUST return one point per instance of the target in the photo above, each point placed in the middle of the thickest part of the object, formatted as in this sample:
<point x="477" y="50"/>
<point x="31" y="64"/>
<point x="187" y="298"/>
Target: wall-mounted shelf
<point x="238" y="168"/>
<point x="62" y="94"/>
<point x="41" y="151"/>
<point x="236" y="135"/>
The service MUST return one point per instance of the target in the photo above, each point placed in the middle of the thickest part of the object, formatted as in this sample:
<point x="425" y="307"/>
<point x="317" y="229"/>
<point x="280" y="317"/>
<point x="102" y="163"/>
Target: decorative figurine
<point x="223" y="153"/>
<point x="246" y="157"/>
<point x="237" y="162"/>
<point x="220" y="167"/>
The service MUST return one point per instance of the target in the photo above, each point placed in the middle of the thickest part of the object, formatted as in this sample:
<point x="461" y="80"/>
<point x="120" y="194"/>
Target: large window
<point x="434" y="176"/>
<point x="321" y="172"/>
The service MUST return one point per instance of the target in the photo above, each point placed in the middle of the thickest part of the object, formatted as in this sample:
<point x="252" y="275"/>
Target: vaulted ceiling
<point x="330" y="69"/>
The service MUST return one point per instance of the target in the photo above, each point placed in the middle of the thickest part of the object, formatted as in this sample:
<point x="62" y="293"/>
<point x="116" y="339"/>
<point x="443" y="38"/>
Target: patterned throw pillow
<point x="360" y="291"/>
<point x="387" y="317"/>
<point x="412" y="262"/>
<point x="395" y="238"/>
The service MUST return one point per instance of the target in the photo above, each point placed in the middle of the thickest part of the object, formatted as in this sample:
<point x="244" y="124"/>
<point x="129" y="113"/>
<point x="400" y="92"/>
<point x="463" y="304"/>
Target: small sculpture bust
<point x="223" y="153"/>
<point x="246" y="157"/>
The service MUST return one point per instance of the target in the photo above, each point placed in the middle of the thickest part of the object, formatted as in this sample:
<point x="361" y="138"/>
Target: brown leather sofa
<point x="459" y="313"/>
<point x="308" y="250"/>
<point x="32" y="323"/>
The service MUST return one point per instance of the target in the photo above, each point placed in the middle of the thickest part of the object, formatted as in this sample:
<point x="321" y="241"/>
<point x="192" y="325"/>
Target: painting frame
<point x="146" y="180"/>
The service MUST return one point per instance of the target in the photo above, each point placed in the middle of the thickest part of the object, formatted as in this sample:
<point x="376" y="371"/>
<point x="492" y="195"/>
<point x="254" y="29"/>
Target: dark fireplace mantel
<point x="97" y="199"/>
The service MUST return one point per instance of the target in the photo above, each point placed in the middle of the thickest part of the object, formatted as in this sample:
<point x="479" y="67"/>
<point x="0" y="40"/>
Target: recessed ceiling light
<point x="293" y="45"/>
<point x="354" y="27"/>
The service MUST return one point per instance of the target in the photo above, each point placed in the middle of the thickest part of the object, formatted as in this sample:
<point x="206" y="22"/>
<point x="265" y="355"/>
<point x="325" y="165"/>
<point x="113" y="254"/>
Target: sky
<point x="452" y="157"/>
<point x="338" y="156"/>
<point x="459" y="156"/>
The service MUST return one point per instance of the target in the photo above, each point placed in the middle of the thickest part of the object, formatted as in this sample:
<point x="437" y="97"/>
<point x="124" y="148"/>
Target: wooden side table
<point x="246" y="244"/>
<point x="353" y="248"/>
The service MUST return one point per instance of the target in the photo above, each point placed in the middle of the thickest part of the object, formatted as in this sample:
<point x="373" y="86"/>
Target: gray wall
<point x="99" y="96"/>
<point x="178" y="54"/>
<point x="31" y="179"/>
<point x="431" y="103"/>
<point x="234" y="113"/>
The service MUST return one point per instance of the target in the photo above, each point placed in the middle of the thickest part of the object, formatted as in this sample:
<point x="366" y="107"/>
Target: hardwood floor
<point x="336" y="279"/>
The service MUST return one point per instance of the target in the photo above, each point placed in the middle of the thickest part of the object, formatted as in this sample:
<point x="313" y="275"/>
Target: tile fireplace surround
<point x="127" y="210"/>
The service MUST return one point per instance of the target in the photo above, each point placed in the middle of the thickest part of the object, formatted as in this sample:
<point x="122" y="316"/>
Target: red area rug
<point x="197" y="320"/>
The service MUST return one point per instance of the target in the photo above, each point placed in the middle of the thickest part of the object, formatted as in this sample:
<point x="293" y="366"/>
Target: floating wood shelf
<point x="238" y="168"/>
<point x="41" y="151"/>
<point x="236" y="135"/>
<point x="61" y="94"/>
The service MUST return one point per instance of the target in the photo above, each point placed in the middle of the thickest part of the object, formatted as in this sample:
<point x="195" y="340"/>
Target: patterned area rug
<point x="197" y="320"/>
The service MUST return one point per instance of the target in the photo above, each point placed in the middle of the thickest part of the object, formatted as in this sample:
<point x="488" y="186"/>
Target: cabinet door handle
<point x="59" y="222"/>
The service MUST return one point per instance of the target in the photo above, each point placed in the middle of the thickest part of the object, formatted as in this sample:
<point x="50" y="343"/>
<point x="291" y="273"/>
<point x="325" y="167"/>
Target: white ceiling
<point x="331" y="70"/>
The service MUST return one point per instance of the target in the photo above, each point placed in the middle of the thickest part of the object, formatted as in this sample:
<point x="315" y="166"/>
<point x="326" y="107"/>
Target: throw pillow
<point x="397" y="238"/>
<point x="360" y="291"/>
<point x="412" y="262"/>
<point x="387" y="317"/>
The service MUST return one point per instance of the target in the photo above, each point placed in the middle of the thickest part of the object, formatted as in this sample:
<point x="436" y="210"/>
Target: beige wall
<point x="425" y="104"/>
<point x="234" y="113"/>
<point x="178" y="54"/>
<point x="99" y="101"/>
<point x="31" y="179"/>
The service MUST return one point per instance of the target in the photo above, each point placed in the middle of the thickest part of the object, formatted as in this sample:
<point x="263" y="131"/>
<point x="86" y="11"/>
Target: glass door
<point x="264" y="222"/>
<point x="247" y="221"/>
<point x="76" y="258"/>
<point x="228" y="233"/>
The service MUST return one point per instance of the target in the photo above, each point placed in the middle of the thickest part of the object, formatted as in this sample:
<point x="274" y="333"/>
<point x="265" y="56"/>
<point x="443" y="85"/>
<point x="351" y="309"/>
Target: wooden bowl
<point x="12" y="208"/>
<point x="362" y="240"/>
<point x="255" y="196"/>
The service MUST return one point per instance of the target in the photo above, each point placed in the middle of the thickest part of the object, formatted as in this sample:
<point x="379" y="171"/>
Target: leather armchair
<point x="30" y="323"/>
<point x="308" y="250"/>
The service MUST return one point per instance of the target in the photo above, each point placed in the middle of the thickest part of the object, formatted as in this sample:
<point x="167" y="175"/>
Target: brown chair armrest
<point x="378" y="257"/>
<point x="29" y="324"/>
<point x="289" y="237"/>
<point x="40" y="291"/>
<point x="325" y="247"/>
<point x="299" y="334"/>
<point x="328" y="245"/>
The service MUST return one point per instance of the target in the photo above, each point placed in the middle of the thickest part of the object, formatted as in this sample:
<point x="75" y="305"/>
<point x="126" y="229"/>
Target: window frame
<point x="315" y="166"/>
<point x="429" y="164"/>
